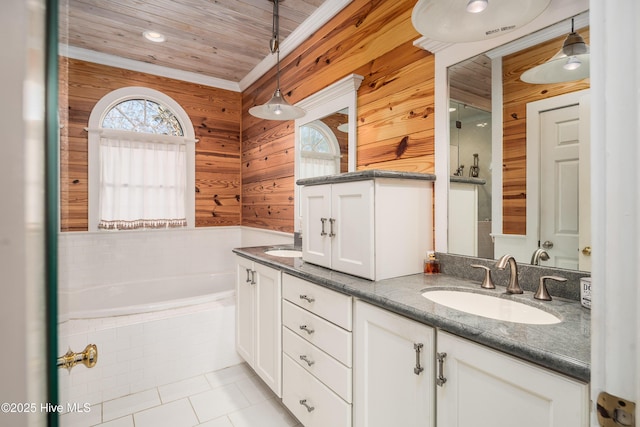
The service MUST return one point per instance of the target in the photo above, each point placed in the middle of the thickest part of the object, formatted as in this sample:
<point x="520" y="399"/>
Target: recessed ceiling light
<point x="154" y="36"/>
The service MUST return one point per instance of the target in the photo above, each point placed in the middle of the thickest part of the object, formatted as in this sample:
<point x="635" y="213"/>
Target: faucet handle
<point x="542" y="293"/>
<point x="487" y="283"/>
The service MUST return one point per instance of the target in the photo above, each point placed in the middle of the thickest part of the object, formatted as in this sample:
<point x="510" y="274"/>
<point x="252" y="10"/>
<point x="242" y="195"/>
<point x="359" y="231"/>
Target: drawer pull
<point x="304" y="403"/>
<point x="306" y="359"/>
<point x="331" y="222"/>
<point x="440" y="380"/>
<point x="418" y="369"/>
<point x="253" y="277"/>
<point x="307" y="298"/>
<point x="306" y="329"/>
<point x="248" y="275"/>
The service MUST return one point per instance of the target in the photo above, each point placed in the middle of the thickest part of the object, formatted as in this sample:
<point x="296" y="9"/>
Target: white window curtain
<point x="318" y="164"/>
<point x="142" y="181"/>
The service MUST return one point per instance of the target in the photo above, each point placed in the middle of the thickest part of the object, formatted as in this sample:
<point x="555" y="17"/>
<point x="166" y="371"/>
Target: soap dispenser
<point x="431" y="263"/>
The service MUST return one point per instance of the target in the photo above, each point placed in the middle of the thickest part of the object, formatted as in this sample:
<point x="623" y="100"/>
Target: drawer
<point x="324" y="407"/>
<point x="328" y="370"/>
<point x="331" y="305"/>
<point x="325" y="335"/>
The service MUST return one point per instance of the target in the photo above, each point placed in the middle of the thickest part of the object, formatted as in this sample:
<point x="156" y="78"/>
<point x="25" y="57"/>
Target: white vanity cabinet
<point x="259" y="320"/>
<point x="468" y="384"/>
<point x="317" y="353"/>
<point x="487" y="387"/>
<point x="375" y="228"/>
<point x="393" y="370"/>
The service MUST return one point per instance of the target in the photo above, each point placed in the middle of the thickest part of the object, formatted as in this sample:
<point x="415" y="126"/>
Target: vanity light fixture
<point x="154" y="36"/>
<point x="277" y="108"/>
<point x="451" y="20"/>
<point x="569" y="64"/>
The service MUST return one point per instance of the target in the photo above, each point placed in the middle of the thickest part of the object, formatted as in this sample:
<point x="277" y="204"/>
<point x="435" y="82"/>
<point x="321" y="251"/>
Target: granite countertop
<point x="366" y="174"/>
<point x="563" y="347"/>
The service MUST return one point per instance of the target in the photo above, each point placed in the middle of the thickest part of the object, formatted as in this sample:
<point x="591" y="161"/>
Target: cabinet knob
<point x="586" y="251"/>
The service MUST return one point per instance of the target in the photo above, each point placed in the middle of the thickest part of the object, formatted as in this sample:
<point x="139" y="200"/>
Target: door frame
<point x="533" y="156"/>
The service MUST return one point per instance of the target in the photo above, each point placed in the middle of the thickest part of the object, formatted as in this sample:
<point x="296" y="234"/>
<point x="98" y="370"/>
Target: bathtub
<point x="148" y="333"/>
<point x="146" y="296"/>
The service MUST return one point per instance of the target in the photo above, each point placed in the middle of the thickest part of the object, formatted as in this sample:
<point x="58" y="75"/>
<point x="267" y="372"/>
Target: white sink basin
<point x="491" y="307"/>
<point x="287" y="253"/>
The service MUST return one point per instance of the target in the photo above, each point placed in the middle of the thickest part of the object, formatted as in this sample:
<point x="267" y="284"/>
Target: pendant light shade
<point x="277" y="108"/>
<point x="457" y="21"/>
<point x="569" y="64"/>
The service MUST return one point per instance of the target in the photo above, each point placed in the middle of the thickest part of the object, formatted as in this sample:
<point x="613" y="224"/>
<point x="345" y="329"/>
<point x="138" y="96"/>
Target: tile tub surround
<point x="563" y="347"/>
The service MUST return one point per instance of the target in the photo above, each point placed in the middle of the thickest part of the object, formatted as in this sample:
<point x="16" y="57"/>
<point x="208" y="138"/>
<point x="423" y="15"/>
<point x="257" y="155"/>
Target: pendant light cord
<point x="275" y="39"/>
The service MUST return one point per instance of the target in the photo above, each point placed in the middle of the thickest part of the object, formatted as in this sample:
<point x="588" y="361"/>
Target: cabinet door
<point x="316" y="212"/>
<point x="268" y="327"/>
<point x="245" y="309"/>
<point x="352" y="213"/>
<point x="387" y="390"/>
<point x="486" y="387"/>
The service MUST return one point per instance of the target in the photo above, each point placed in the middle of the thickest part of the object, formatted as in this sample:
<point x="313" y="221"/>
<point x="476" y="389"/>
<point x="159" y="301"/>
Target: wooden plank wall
<point x="516" y="95"/>
<point x="395" y="104"/>
<point x="215" y="114"/>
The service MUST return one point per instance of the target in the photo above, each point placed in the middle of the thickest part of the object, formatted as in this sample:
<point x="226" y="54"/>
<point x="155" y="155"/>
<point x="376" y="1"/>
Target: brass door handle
<point x="586" y="251"/>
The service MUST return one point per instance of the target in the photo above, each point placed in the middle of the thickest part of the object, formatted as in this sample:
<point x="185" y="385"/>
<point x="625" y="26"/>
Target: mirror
<point x="326" y="135"/>
<point x="535" y="202"/>
<point x="324" y="145"/>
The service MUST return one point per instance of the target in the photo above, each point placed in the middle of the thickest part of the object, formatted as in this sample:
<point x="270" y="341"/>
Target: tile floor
<point x="231" y="397"/>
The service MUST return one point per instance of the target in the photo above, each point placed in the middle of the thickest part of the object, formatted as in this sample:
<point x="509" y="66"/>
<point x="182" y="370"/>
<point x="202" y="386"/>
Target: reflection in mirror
<point x="517" y="211"/>
<point x="469" y="231"/>
<point x="324" y="145"/>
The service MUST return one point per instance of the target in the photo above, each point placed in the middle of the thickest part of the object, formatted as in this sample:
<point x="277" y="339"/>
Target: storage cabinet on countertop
<point x="376" y="228"/>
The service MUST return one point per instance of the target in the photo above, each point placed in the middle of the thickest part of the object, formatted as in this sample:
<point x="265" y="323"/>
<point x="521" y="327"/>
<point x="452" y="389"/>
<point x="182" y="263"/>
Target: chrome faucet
<point x="539" y="254"/>
<point x="514" y="286"/>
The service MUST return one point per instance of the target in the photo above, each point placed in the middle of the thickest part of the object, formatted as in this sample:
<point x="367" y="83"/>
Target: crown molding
<point x="430" y="45"/>
<point x="144" y="67"/>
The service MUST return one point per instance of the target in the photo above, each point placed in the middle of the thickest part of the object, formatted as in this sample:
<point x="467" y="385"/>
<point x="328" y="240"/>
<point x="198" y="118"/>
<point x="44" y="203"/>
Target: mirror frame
<point x="335" y="97"/>
<point x="447" y="54"/>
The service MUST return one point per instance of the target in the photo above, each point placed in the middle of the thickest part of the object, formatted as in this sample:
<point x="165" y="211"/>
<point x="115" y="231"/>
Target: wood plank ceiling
<point x="224" y="39"/>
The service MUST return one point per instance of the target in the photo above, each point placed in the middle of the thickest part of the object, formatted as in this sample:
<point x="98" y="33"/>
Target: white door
<point x="584" y="238"/>
<point x="487" y="388"/>
<point x="388" y="390"/>
<point x="352" y="224"/>
<point x="268" y="329"/>
<point x="559" y="185"/>
<point x="316" y="212"/>
<point x="245" y="309"/>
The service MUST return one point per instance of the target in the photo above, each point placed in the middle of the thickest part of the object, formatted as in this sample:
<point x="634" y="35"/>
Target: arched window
<point x="319" y="150"/>
<point x="141" y="162"/>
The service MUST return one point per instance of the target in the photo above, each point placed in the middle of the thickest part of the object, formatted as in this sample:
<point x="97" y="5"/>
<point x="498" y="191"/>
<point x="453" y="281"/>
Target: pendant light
<point x="277" y="108"/>
<point x="569" y="64"/>
<point x="457" y="21"/>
